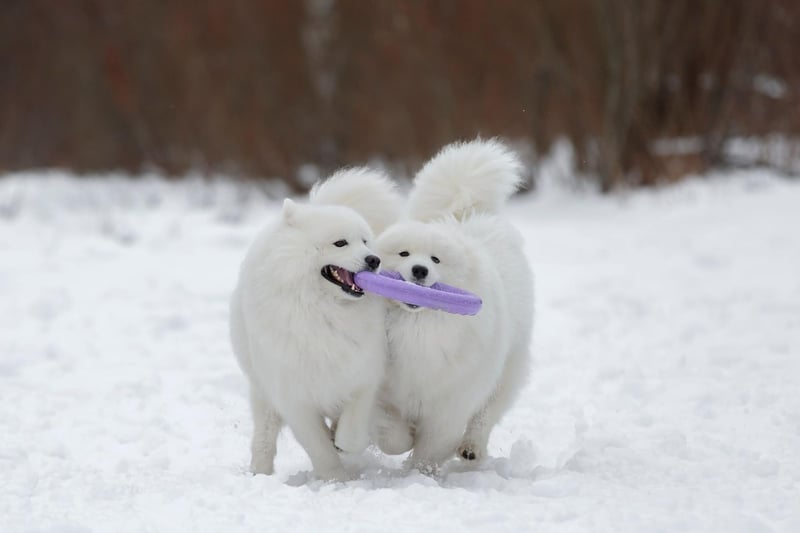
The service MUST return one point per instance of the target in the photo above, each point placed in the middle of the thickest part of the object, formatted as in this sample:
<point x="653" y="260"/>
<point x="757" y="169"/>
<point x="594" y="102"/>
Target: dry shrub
<point x="257" y="88"/>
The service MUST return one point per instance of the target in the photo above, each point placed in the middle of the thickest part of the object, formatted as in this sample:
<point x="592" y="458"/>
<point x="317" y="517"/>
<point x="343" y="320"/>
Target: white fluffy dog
<point x="450" y="378"/>
<point x="311" y="343"/>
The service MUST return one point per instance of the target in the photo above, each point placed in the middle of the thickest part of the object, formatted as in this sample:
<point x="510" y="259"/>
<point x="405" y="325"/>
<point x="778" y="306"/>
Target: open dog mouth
<point x="343" y="278"/>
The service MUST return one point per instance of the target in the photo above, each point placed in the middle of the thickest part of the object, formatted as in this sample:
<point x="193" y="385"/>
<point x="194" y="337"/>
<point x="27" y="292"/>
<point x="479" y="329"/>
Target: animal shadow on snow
<point x="373" y="470"/>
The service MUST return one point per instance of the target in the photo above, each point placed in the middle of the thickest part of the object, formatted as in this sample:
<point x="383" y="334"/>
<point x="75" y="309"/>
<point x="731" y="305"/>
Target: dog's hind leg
<point x="436" y="438"/>
<point x="266" y="421"/>
<point x="266" y="426"/>
<point x="476" y="438"/>
<point x="310" y="430"/>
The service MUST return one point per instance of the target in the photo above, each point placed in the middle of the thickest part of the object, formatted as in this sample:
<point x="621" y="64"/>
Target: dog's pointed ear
<point x="289" y="212"/>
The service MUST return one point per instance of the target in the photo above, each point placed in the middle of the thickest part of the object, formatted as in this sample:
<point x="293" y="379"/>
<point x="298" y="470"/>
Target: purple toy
<point x="437" y="296"/>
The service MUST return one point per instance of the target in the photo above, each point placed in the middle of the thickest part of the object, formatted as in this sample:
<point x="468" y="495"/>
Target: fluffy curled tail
<point x="465" y="178"/>
<point x="368" y="192"/>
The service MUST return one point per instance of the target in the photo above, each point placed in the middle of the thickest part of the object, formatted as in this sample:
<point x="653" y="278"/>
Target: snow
<point x="665" y="394"/>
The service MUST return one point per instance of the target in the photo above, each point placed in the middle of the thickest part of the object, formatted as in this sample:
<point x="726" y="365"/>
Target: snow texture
<point x="665" y="394"/>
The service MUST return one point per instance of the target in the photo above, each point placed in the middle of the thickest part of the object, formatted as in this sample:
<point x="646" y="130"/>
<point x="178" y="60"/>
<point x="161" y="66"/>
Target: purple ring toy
<point x="438" y="296"/>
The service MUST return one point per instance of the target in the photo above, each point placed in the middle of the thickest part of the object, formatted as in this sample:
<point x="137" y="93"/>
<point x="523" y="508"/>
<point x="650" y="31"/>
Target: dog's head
<point x="424" y="253"/>
<point x="333" y="242"/>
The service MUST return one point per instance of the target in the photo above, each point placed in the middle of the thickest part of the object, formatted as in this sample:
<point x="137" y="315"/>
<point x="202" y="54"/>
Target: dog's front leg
<point x="352" y="429"/>
<point x="309" y="428"/>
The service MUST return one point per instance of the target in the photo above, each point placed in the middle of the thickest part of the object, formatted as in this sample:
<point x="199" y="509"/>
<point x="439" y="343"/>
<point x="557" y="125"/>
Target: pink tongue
<point x="345" y="275"/>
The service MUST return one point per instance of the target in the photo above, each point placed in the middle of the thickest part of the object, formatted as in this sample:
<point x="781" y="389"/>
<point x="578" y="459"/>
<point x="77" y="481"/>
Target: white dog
<point x="450" y="378"/>
<point x="311" y="343"/>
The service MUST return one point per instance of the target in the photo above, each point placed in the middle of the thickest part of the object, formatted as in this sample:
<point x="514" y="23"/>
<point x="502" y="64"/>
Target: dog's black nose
<point x="373" y="262"/>
<point x="419" y="271"/>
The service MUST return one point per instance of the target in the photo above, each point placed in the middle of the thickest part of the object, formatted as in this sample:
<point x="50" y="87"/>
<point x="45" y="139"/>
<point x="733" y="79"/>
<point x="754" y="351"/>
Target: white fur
<point x="464" y="177"/>
<point x="450" y="378"/>
<point x="309" y="350"/>
<point x="368" y="191"/>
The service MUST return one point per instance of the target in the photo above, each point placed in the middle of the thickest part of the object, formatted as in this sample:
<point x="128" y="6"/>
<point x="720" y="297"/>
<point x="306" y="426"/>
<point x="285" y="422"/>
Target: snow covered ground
<point x="665" y="395"/>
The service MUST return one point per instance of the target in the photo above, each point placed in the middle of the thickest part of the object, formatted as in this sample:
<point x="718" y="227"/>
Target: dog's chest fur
<point x="329" y="348"/>
<point x="431" y="354"/>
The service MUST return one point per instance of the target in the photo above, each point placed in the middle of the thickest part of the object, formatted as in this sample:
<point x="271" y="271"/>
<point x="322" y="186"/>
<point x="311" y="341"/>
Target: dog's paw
<point x="261" y="465"/>
<point x="470" y="452"/>
<point x="395" y="438"/>
<point x="351" y="441"/>
<point x="334" y="473"/>
<point x="425" y="467"/>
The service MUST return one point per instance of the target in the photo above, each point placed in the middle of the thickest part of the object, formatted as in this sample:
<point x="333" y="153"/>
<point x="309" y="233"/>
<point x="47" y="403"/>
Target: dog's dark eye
<point x="403" y="254"/>
<point x="365" y="241"/>
<point x="435" y="259"/>
<point x="340" y="243"/>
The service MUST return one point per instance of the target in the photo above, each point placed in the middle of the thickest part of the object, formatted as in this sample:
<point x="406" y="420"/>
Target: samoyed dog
<point x="450" y="378"/>
<point x="311" y="343"/>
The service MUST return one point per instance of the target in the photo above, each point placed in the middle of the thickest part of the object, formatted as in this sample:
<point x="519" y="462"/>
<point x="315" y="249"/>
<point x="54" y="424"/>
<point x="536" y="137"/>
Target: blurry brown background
<point x="257" y="88"/>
